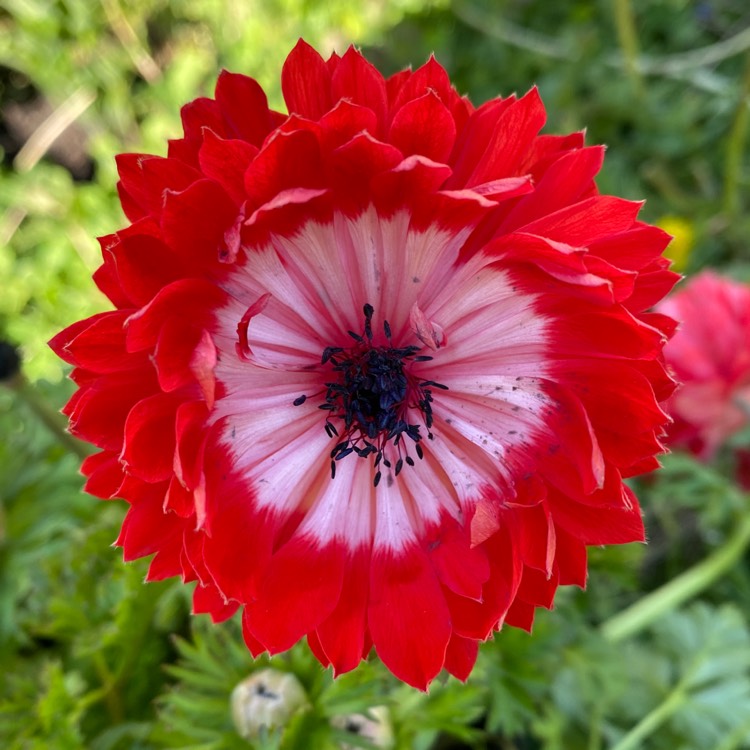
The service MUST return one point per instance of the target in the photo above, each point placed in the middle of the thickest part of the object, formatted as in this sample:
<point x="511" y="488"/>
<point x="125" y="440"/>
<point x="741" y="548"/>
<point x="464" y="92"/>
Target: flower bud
<point x="268" y="698"/>
<point x="374" y="726"/>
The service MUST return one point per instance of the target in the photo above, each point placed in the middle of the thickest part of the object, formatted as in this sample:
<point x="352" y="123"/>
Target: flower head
<point x="710" y="356"/>
<point x="377" y="368"/>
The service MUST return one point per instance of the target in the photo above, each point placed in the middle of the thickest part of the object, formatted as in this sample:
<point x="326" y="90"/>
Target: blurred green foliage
<point x="124" y="69"/>
<point x="92" y="658"/>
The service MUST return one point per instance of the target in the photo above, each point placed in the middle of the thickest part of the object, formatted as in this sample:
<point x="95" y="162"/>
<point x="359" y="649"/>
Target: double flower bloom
<point x="376" y="369"/>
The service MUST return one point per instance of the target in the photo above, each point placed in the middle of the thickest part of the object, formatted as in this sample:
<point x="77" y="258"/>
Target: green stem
<point x="652" y="721"/>
<point x="51" y="418"/>
<point x="679" y="589"/>
<point x="147" y="599"/>
<point x="595" y="726"/>
<point x="736" y="739"/>
<point x="109" y="694"/>
<point x="736" y="147"/>
<point x="627" y="36"/>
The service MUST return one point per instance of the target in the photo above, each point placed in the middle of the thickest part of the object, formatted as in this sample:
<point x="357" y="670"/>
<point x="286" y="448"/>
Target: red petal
<point x="226" y="161"/>
<point x="460" y="656"/>
<point x="598" y="525"/>
<point x="521" y="615"/>
<point x="202" y="365"/>
<point x="101" y="347"/>
<point x="314" y="643"/>
<point x="565" y="264"/>
<point x="179" y="499"/>
<point x="194" y="221"/>
<point x="504" y="188"/>
<point x="547" y="149"/>
<point x="300" y="588"/>
<point x="537" y="538"/>
<point x="207" y="599"/>
<point x="244" y="108"/>
<point x="289" y="209"/>
<point x="473" y="141"/>
<point x="256" y="308"/>
<point x="144" y="266"/>
<point x="460" y="567"/>
<point x="166" y="562"/>
<point x="146" y="179"/>
<point x="537" y="588"/>
<point x="146" y="528"/>
<point x="174" y="348"/>
<point x="408" y="616"/>
<point x="650" y="288"/>
<point x="355" y="163"/>
<point x="395" y="83"/>
<point x="424" y="126"/>
<point x="148" y="451"/>
<point x="570" y="559"/>
<point x="567" y="181"/>
<point x="514" y="132"/>
<point x="342" y="634"/>
<point x="616" y="395"/>
<point x="196" y="115"/>
<point x="190" y="434"/>
<point x="99" y="413"/>
<point x="571" y="456"/>
<point x="240" y="537"/>
<point x="60" y="344"/>
<point x="194" y="565"/>
<point x="306" y="82"/>
<point x="408" y="183"/>
<point x="430" y="77"/>
<point x="130" y="207"/>
<point x="345" y="121"/>
<point x="191" y="300"/>
<point x="183" y="355"/>
<point x="614" y="334"/>
<point x="288" y="160"/>
<point x="476" y="620"/>
<point x="586" y="221"/>
<point x="632" y="249"/>
<point x="359" y="81"/>
<point x="255" y="647"/>
<point x="104" y="473"/>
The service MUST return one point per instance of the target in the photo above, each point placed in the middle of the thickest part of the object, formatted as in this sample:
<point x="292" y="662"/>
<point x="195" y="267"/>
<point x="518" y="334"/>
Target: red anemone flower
<point x="377" y="368"/>
<point x="710" y="356"/>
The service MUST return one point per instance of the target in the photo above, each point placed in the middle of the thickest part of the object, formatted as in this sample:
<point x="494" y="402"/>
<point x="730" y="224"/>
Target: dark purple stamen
<point x="373" y="395"/>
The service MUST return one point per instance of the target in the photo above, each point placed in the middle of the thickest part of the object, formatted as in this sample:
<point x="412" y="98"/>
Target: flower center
<point x="373" y="399"/>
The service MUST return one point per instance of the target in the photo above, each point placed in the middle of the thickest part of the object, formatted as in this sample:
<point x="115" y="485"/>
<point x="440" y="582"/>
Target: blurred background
<point x="92" y="658"/>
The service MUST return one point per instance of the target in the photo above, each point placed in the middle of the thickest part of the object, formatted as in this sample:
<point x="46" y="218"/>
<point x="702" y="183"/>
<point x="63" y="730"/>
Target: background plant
<point x="92" y="658"/>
